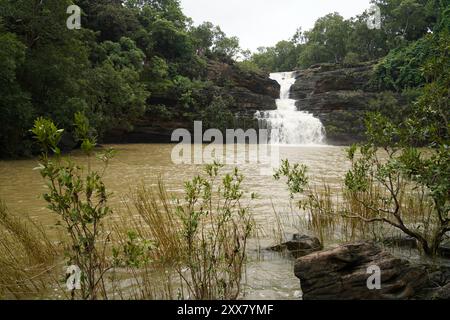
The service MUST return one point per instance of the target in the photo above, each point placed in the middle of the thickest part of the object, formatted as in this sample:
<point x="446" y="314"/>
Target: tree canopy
<point x="129" y="56"/>
<point x="334" y="39"/>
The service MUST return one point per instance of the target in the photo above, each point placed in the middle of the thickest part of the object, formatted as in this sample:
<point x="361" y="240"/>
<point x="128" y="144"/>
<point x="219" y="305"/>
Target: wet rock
<point x="339" y="96"/>
<point x="258" y="83"/>
<point x="299" y="246"/>
<point x="342" y="273"/>
<point x="251" y="92"/>
<point x="438" y="278"/>
<point x="444" y="249"/>
<point x="442" y="293"/>
<point x="401" y="241"/>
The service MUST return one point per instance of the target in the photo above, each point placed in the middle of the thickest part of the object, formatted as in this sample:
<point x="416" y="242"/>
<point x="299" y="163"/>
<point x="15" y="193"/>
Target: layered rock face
<point x="250" y="91"/>
<point x="339" y="96"/>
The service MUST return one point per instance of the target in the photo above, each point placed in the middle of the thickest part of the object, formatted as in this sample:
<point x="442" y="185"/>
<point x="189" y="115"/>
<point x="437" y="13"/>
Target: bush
<point x="79" y="199"/>
<point x="202" y="238"/>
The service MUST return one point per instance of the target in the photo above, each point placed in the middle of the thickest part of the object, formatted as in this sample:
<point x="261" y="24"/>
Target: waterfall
<point x="287" y="125"/>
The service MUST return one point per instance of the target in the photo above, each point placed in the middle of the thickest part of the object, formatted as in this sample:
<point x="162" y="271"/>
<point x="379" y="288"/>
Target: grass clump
<point x="27" y="257"/>
<point x="200" y="239"/>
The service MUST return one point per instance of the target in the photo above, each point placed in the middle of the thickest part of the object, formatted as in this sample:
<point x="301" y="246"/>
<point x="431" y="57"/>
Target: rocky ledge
<point x="342" y="273"/>
<point x="251" y="92"/>
<point x="339" y="96"/>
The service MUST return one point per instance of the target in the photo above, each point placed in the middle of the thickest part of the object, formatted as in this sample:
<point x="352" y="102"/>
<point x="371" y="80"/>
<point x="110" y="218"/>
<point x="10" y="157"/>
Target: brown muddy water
<point x="268" y="275"/>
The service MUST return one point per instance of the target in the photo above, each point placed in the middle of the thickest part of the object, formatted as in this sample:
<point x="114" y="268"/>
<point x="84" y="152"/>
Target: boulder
<point x="299" y="246"/>
<point x="438" y="276"/>
<point x="342" y="274"/>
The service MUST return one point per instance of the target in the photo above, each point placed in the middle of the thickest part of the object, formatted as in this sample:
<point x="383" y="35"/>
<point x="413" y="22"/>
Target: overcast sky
<point x="265" y="22"/>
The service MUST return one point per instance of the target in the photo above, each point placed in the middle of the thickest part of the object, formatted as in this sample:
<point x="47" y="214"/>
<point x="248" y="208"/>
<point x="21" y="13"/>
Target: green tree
<point x="15" y="108"/>
<point x="407" y="20"/>
<point x="115" y="97"/>
<point x="427" y="169"/>
<point x="329" y="35"/>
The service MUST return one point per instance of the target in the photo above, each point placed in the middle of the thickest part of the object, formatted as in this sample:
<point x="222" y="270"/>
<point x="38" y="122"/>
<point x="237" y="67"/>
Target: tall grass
<point x="341" y="216"/>
<point x="27" y="257"/>
<point x="199" y="242"/>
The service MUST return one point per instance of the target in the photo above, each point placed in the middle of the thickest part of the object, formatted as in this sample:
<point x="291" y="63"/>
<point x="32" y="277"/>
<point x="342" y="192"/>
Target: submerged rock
<point x="299" y="246"/>
<point x="342" y="273"/>
<point x="401" y="241"/>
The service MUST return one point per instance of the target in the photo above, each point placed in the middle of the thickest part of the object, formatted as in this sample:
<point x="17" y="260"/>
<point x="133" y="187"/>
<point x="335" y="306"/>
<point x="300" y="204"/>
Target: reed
<point x="343" y="215"/>
<point x="200" y="241"/>
<point x="27" y="257"/>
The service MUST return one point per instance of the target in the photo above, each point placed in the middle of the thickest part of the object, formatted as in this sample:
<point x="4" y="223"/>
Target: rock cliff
<point x="250" y="91"/>
<point x="339" y="96"/>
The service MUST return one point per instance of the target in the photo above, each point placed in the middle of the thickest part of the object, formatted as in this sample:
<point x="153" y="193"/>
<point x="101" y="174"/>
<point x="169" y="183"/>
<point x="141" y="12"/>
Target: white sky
<point x="265" y="22"/>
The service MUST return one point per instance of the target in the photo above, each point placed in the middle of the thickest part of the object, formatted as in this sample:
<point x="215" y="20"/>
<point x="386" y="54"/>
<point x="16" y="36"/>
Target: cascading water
<point x="287" y="125"/>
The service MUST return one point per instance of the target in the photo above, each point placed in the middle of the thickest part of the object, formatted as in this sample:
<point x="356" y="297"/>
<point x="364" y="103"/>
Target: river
<point x="270" y="277"/>
<point x="300" y="139"/>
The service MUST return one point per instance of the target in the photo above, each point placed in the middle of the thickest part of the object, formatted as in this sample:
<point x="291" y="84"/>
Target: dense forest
<point x="336" y="40"/>
<point x="128" y="58"/>
<point x="145" y="56"/>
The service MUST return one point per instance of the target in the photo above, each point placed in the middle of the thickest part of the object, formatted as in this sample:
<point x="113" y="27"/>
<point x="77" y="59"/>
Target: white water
<point x="287" y="125"/>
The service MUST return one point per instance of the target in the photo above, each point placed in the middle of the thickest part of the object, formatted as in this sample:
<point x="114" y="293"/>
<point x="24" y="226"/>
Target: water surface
<point x="271" y="277"/>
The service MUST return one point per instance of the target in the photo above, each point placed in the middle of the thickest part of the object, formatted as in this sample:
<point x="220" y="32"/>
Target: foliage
<point x="214" y="255"/>
<point x="426" y="124"/>
<point x="296" y="175"/>
<point x="218" y="115"/>
<point x="400" y="69"/>
<point x="210" y="41"/>
<point x="336" y="40"/>
<point x="15" y="107"/>
<point x="128" y="55"/>
<point x="202" y="237"/>
<point x="26" y="253"/>
<point x="79" y="199"/>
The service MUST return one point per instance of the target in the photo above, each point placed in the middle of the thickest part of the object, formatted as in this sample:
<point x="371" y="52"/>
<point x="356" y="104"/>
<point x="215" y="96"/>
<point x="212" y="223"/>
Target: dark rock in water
<point x="342" y="274"/>
<point x="438" y="281"/>
<point x="444" y="249"/>
<point x="300" y="245"/>
<point x="442" y="293"/>
<point x="401" y="241"/>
